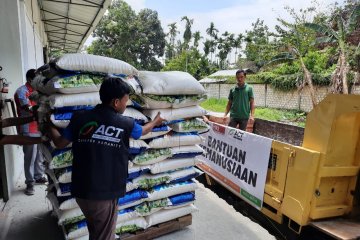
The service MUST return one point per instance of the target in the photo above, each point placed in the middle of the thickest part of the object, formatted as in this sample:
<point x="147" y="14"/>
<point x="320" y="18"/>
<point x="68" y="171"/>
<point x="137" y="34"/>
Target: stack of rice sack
<point x="165" y="170"/>
<point x="159" y="189"/>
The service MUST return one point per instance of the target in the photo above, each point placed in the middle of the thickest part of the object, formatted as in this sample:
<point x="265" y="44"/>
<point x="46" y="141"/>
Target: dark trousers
<point x="101" y="216"/>
<point x="234" y="122"/>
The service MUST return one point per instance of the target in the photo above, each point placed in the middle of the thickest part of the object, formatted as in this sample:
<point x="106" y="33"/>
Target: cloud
<point x="237" y="19"/>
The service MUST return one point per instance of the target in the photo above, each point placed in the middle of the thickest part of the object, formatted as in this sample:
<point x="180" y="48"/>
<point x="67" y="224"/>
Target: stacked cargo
<point x="160" y="186"/>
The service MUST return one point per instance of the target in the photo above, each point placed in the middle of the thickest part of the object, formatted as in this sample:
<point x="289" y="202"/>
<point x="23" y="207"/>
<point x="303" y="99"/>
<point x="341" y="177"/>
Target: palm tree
<point x="197" y="38"/>
<point x="212" y="31"/>
<point x="172" y="32"/>
<point x="187" y="36"/>
<point x="212" y="46"/>
<point x="187" y="32"/>
<point x="237" y="44"/>
<point x="207" y="47"/>
<point x="230" y="40"/>
<point x="338" y="35"/>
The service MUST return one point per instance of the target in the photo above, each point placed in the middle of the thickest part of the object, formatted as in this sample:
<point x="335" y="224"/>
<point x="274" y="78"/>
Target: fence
<point x="266" y="96"/>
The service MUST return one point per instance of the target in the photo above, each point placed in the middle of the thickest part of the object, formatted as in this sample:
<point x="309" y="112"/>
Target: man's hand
<point x="158" y="120"/>
<point x="251" y="119"/>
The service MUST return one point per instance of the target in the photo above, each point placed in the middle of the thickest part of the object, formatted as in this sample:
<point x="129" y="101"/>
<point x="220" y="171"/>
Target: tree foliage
<point x="134" y="38"/>
<point x="258" y="46"/>
<point x="197" y="65"/>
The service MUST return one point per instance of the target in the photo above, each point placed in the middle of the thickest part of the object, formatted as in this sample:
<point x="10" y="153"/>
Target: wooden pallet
<point x="159" y="230"/>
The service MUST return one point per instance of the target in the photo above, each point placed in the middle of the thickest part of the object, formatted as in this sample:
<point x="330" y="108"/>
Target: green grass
<point x="214" y="104"/>
<point x="278" y="115"/>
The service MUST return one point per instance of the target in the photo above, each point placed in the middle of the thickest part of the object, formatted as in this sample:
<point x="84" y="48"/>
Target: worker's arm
<point x="58" y="140"/>
<point x="227" y="109"/>
<point x="150" y="125"/>
<point x="17" y="121"/>
<point x="252" y="108"/>
<point x="20" y="140"/>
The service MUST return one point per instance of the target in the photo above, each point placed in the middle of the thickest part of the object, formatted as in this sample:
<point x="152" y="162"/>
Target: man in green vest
<point x="241" y="103"/>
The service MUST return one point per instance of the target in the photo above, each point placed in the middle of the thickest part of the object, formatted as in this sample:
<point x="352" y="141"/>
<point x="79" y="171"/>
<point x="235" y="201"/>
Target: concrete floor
<point x="29" y="218"/>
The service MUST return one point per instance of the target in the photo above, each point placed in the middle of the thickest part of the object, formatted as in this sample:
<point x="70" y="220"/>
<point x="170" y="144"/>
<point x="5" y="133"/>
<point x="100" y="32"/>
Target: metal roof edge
<point x="96" y="20"/>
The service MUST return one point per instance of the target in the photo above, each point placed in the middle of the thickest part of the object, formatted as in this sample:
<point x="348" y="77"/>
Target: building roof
<point x="68" y="23"/>
<point x="222" y="73"/>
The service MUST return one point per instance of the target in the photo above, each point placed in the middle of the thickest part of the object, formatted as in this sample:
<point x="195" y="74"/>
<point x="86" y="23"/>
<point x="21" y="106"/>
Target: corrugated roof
<point x="68" y="23"/>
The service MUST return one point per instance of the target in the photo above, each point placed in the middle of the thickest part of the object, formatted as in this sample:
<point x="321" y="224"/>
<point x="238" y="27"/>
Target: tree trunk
<point x="345" y="73"/>
<point x="308" y="80"/>
<point x="335" y="78"/>
<point x="339" y="77"/>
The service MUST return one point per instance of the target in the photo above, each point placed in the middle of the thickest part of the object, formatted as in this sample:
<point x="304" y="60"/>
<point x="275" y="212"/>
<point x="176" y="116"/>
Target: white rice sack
<point x="172" y="165"/>
<point x="148" y="208"/>
<point x="130" y="186"/>
<point x="151" y="156"/>
<point x="156" y="132"/>
<point x="179" y="101"/>
<point x="132" y="199"/>
<point x="79" y="83"/>
<point x="127" y="214"/>
<point x="77" y="230"/>
<point x="164" y="191"/>
<point x="167" y="215"/>
<point x="70" y="216"/>
<point x="170" y="83"/>
<point x="73" y="83"/>
<point x="131" y="204"/>
<point x="68" y="204"/>
<point x="59" y="123"/>
<point x="175" y="114"/>
<point x="179" y="174"/>
<point x="186" y="151"/>
<point x="131" y="226"/>
<point x="176" y="140"/>
<point x="148" y="181"/>
<point x="137" y="146"/>
<point x="191" y="125"/>
<point x="78" y="99"/>
<point x="85" y="237"/>
<point x="61" y="158"/>
<point x="64" y="175"/>
<point x="135" y="114"/>
<point x="134" y="84"/>
<point x="93" y="63"/>
<point x="62" y="190"/>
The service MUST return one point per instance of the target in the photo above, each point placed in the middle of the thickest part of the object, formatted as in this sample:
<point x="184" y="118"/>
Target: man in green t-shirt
<point x="241" y="103"/>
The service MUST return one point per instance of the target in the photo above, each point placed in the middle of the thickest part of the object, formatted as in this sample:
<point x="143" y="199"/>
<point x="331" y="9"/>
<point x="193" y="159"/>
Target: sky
<point x="234" y="16"/>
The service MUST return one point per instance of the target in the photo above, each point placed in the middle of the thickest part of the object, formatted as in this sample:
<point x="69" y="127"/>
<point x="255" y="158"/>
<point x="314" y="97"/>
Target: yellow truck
<point x="316" y="183"/>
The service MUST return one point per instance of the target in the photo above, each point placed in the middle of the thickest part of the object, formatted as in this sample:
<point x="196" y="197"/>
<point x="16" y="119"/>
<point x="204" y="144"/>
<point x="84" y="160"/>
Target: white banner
<point x="238" y="160"/>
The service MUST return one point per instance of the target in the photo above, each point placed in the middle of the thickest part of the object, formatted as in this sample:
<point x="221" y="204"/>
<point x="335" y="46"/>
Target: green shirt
<point x="240" y="99"/>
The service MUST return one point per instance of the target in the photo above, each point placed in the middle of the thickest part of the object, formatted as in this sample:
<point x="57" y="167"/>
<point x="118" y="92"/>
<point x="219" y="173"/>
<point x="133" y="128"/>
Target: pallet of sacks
<point x="160" y="186"/>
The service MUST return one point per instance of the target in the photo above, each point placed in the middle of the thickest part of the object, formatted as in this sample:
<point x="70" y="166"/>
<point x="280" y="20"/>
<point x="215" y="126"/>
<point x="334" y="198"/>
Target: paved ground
<point x="28" y="218"/>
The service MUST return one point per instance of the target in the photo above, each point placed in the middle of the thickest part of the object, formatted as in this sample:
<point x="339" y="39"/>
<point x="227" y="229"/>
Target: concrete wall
<point x="279" y="131"/>
<point x="266" y="96"/>
<point x="21" y="48"/>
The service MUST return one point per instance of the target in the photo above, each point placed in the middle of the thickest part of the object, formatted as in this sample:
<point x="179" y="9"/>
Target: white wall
<point x="17" y="54"/>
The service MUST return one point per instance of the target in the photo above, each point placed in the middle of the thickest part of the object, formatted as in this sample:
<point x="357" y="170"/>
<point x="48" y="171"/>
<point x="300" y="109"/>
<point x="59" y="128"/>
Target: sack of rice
<point x="176" y="140"/>
<point x="170" y="83"/>
<point x="92" y="63"/>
